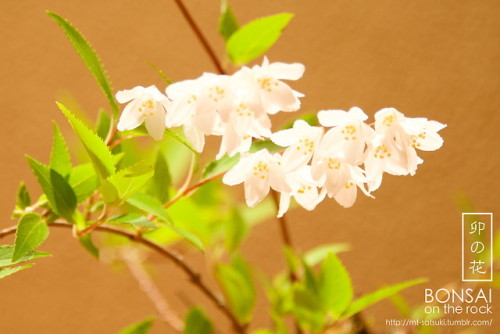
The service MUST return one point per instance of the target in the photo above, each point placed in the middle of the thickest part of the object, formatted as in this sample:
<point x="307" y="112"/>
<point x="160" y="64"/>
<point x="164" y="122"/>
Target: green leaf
<point x="133" y="219"/>
<point x="31" y="232"/>
<point x="237" y="286"/>
<point x="59" y="193"/>
<point x="335" y="289"/>
<point x="256" y="37"/>
<point x="197" y="322"/>
<point x="23" y="197"/>
<point x="88" y="244"/>
<point x="60" y="160"/>
<point x="130" y="180"/>
<point x="4" y="272"/>
<point x="6" y="253"/>
<point x="378" y="295"/>
<point x="89" y="57"/>
<point x="236" y="230"/>
<point x="142" y="327"/>
<point x="220" y="166"/>
<point x="307" y="309"/>
<point x="160" y="73"/>
<point x="99" y="153"/>
<point x="318" y="254"/>
<point x="310" y="118"/>
<point x="181" y="140"/>
<point x="162" y="181"/>
<point x="267" y="144"/>
<point x="152" y="206"/>
<point x="227" y="21"/>
<point x="103" y="124"/>
<point x="84" y="181"/>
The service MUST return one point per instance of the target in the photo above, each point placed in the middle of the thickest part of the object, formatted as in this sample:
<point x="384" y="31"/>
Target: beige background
<point x="436" y="59"/>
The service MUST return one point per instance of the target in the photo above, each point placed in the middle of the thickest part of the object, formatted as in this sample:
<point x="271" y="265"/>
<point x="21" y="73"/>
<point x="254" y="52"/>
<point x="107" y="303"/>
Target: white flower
<point x="274" y="94"/>
<point x="393" y="149"/>
<point x="304" y="190"/>
<point x="196" y="106"/>
<point x="349" y="134"/>
<point x="259" y="171"/>
<point x="146" y="104"/>
<point x="301" y="140"/>
<point x="339" y="178"/>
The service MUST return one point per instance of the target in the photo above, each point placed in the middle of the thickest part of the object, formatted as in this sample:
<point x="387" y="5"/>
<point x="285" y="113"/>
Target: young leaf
<point x="256" y="37"/>
<point x="307" y="309"/>
<point x="83" y="180"/>
<point x="220" y="166"/>
<point x="88" y="244"/>
<point x="236" y="230"/>
<point x="103" y="124"/>
<point x="153" y="206"/>
<point x="4" y="272"/>
<point x="160" y="73"/>
<point x="267" y="144"/>
<point x="99" y="153"/>
<point x="130" y="180"/>
<point x="31" y="232"/>
<point x="142" y="327"/>
<point x="59" y="193"/>
<point x="378" y="295"/>
<point x="6" y="253"/>
<point x="60" y="160"/>
<point x="335" y="289"/>
<point x="162" y="181"/>
<point x="227" y="21"/>
<point x="197" y="322"/>
<point x="89" y="57"/>
<point x="133" y="219"/>
<point x="23" y="197"/>
<point x="238" y="289"/>
<point x="181" y="140"/>
<point x="318" y="254"/>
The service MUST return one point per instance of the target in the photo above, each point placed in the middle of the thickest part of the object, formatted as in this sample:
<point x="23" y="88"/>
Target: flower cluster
<point x="334" y="159"/>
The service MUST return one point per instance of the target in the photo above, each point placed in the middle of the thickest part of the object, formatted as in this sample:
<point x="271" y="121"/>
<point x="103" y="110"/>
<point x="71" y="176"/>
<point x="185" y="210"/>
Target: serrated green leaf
<point x="161" y="181"/>
<point x="335" y="288"/>
<point x="256" y="37"/>
<point x="99" y="153"/>
<point x="318" y="254"/>
<point x="88" y="244"/>
<point x="89" y="57"/>
<point x="60" y="160"/>
<point x="60" y="195"/>
<point x="133" y="219"/>
<point x="237" y="286"/>
<point x="23" y="198"/>
<point x="220" y="166"/>
<point x="378" y="295"/>
<point x="31" y="232"/>
<point x="236" y="230"/>
<point x="103" y="124"/>
<point x="4" y="272"/>
<point x="197" y="322"/>
<point x="6" y="253"/>
<point x="151" y="205"/>
<point x="130" y="180"/>
<point x="307" y="309"/>
<point x="160" y="73"/>
<point x="84" y="181"/>
<point x="227" y="21"/>
<point x="142" y="327"/>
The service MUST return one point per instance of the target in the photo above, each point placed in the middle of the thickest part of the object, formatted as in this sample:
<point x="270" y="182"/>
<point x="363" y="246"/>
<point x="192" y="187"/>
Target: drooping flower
<point x="259" y="172"/>
<point x="145" y="104"/>
<point x="273" y="94"/>
<point x="303" y="188"/>
<point x="301" y="142"/>
<point x="349" y="133"/>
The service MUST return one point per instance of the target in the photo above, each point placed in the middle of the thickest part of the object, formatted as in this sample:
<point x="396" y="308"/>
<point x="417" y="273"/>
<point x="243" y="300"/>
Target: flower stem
<point x="201" y="38"/>
<point x="177" y="259"/>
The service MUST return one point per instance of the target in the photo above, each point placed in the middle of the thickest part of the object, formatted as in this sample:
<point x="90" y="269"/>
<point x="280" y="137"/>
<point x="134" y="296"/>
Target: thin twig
<point x="147" y="285"/>
<point x="178" y="260"/>
<point x="201" y="38"/>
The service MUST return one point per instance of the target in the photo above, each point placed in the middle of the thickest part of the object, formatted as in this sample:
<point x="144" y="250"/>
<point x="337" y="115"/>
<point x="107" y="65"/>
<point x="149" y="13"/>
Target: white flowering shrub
<point x="156" y="200"/>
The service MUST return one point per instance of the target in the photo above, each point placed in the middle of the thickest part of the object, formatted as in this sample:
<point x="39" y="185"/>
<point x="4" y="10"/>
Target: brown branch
<point x="178" y="260"/>
<point x="201" y="38"/>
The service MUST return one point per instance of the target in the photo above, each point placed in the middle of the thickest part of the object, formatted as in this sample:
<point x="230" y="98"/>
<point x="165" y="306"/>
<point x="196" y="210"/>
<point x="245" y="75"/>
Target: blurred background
<point x="434" y="59"/>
